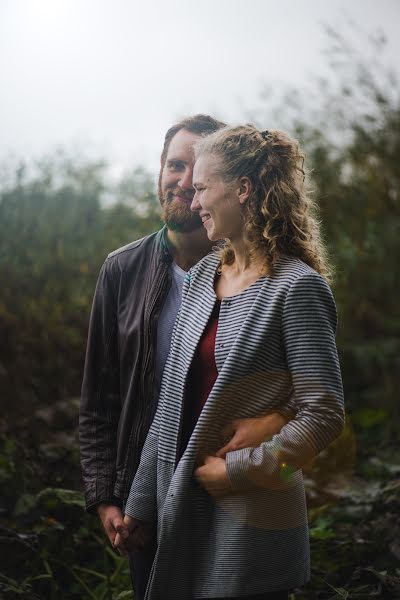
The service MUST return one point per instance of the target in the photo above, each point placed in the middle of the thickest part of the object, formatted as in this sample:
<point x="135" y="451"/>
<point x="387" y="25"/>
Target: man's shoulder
<point x="127" y="248"/>
<point x="136" y="246"/>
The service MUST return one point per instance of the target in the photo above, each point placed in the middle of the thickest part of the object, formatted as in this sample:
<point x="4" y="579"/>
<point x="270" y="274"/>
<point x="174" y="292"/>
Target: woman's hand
<point x="250" y="433"/>
<point x="140" y="535"/>
<point x="213" y="476"/>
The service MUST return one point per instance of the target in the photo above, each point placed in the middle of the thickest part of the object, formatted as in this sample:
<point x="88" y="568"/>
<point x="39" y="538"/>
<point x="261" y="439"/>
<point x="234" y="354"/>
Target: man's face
<point x="176" y="186"/>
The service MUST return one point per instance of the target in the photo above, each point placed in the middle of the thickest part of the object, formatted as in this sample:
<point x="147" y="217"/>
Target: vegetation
<point x="59" y="220"/>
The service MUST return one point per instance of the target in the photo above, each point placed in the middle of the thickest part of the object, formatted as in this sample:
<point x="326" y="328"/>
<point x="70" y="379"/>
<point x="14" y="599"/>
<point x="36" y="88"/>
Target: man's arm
<point x="100" y="400"/>
<point x="251" y="432"/>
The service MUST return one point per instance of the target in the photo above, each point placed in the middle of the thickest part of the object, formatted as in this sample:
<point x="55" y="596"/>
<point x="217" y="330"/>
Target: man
<point x="134" y="308"/>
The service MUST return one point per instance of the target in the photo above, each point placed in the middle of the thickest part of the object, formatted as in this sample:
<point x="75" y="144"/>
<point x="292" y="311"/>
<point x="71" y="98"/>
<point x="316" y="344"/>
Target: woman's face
<point x="216" y="202"/>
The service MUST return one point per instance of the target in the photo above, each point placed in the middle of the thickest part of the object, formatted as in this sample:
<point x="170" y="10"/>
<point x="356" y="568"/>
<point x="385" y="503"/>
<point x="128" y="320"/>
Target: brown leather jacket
<point x="117" y="404"/>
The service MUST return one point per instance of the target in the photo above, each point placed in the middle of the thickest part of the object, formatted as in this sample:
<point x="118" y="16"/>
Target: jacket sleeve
<point x="142" y="499"/>
<point x="100" y="398"/>
<point x="309" y="323"/>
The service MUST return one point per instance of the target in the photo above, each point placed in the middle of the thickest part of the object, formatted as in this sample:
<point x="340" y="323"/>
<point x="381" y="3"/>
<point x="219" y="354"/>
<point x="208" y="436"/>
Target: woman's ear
<point x="244" y="189"/>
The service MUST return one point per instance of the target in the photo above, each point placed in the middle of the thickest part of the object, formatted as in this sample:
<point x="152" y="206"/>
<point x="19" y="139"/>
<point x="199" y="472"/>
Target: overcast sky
<point x="110" y="76"/>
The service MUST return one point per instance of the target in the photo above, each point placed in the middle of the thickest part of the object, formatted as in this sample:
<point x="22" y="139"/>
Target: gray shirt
<point x="165" y="326"/>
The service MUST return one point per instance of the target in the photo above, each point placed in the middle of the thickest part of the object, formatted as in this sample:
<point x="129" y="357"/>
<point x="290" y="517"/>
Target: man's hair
<point x="198" y="124"/>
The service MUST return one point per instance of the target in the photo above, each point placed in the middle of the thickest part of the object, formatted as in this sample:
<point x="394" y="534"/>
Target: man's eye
<point x="175" y="166"/>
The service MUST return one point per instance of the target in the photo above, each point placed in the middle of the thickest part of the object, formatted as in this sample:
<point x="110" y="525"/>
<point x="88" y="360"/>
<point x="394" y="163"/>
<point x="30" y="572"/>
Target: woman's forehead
<point x="205" y="167"/>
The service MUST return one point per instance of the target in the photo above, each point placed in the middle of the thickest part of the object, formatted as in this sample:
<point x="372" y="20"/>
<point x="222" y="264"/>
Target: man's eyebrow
<point x="176" y="160"/>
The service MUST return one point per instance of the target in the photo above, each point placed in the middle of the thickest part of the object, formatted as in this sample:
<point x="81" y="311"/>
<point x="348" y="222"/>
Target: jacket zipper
<point x="138" y="429"/>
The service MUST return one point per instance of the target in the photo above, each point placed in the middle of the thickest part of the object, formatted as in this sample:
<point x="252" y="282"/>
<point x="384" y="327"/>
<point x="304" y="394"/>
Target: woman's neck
<point x="243" y="262"/>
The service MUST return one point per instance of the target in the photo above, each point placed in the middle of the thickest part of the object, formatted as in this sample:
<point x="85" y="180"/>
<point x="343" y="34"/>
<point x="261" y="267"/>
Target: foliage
<point x="60" y="218"/>
<point x="349" y="124"/>
<point x="50" y="548"/>
<point x="54" y="235"/>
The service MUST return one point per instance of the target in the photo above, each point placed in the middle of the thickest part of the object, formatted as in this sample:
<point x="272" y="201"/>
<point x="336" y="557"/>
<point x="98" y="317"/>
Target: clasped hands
<point x="129" y="534"/>
<point x="242" y="433"/>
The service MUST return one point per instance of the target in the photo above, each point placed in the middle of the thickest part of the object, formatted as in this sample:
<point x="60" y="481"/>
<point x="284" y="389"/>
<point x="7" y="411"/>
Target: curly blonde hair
<point x="279" y="215"/>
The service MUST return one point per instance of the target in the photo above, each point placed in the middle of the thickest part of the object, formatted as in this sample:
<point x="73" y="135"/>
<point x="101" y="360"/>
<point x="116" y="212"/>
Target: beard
<point x="177" y="214"/>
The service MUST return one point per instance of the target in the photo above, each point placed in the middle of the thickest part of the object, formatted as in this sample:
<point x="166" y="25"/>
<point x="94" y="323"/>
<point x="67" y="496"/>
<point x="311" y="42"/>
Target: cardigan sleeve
<point x="142" y="500"/>
<point x="308" y="331"/>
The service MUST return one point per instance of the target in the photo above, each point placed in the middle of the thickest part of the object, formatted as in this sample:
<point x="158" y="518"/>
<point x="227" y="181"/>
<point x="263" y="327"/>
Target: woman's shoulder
<point x="290" y="269"/>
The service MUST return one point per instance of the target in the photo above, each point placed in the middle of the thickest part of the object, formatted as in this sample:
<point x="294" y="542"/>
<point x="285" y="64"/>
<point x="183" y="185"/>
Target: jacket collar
<point x="163" y="245"/>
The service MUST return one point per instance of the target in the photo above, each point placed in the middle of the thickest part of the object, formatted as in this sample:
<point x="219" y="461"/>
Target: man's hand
<point x="140" y="535"/>
<point x="112" y="519"/>
<point x="213" y="476"/>
<point x="250" y="433"/>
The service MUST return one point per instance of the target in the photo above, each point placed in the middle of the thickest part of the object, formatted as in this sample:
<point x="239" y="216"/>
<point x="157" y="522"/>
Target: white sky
<point x="110" y="76"/>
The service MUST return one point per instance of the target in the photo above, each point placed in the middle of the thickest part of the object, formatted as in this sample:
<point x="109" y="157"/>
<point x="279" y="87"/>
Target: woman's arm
<point x="308" y="331"/>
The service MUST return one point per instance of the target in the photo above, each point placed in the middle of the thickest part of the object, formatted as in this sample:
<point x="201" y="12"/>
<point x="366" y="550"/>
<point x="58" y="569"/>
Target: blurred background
<point x="88" y="90"/>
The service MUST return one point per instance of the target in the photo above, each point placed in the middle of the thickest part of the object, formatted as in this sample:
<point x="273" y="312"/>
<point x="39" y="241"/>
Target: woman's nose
<point x="195" y="203"/>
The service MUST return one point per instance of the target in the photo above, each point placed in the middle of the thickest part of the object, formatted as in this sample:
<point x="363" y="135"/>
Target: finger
<point x="199" y="478"/>
<point x="141" y="539"/>
<point x="130" y="522"/>
<point x="110" y="532"/>
<point x="229" y="429"/>
<point x="123" y="531"/>
<point x="199" y="472"/>
<point x="118" y="523"/>
<point x="231" y="446"/>
<point x="221" y="453"/>
<point x="121" y="528"/>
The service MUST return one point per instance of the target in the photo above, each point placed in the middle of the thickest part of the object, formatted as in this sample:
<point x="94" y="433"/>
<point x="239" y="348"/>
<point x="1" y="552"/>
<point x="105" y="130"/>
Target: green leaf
<point x="369" y="417"/>
<point x="54" y="497"/>
<point x="25" y="504"/>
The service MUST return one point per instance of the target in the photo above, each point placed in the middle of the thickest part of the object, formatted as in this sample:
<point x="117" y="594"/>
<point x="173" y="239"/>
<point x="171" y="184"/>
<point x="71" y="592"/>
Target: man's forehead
<point x="181" y="145"/>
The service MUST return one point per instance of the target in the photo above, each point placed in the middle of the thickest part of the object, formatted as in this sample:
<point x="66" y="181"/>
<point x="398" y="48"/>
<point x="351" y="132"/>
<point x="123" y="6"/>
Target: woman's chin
<point x="212" y="236"/>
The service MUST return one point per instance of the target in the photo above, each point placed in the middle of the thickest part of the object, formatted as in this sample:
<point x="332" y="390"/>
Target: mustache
<point x="179" y="192"/>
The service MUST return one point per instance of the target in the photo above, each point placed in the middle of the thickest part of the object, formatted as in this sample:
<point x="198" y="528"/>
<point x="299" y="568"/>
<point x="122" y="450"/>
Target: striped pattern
<point x="275" y="344"/>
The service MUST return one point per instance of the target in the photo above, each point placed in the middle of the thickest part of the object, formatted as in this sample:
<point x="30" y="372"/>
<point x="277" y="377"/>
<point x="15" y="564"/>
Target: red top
<point x="201" y="378"/>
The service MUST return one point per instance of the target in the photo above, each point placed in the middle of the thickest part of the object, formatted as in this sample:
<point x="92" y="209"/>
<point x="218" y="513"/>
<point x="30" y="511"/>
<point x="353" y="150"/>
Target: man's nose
<point x="186" y="181"/>
<point x="195" y="203"/>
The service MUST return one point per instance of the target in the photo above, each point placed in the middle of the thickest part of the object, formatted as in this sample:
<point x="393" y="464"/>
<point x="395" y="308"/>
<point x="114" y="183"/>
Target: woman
<point x="256" y="330"/>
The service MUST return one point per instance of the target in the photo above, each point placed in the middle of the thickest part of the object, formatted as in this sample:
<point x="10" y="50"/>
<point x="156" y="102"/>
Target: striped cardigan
<point x="275" y="341"/>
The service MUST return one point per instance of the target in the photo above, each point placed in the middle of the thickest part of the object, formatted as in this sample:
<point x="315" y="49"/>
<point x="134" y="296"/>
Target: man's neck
<point x="187" y="248"/>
